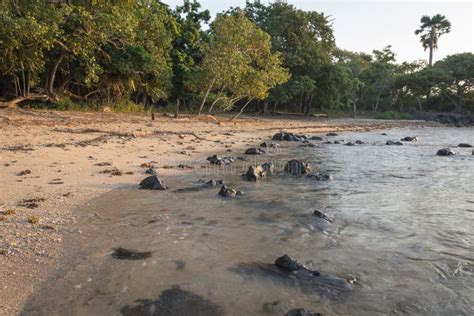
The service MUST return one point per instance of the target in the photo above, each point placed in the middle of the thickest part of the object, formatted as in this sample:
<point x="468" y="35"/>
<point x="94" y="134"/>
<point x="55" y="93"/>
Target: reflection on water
<point x="403" y="227"/>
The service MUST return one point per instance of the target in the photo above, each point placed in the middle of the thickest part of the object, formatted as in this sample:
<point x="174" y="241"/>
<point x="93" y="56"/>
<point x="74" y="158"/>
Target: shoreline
<point x="71" y="157"/>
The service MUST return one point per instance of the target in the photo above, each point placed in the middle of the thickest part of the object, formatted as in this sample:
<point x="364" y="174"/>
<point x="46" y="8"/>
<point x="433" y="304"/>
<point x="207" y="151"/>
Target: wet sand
<point x="51" y="163"/>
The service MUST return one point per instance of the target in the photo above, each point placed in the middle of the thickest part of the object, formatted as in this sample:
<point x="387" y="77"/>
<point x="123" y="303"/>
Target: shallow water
<point x="404" y="228"/>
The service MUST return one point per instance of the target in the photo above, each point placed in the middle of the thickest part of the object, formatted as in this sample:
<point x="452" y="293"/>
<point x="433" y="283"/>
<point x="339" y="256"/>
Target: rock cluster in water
<point x="153" y="183"/>
<point x="289" y="137"/>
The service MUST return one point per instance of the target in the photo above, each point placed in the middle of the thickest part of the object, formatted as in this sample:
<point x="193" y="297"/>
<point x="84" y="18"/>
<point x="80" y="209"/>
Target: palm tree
<point x="431" y="29"/>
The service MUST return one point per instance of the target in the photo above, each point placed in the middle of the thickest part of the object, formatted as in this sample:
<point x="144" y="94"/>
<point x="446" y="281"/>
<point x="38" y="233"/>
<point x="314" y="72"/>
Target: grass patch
<point x="391" y="115"/>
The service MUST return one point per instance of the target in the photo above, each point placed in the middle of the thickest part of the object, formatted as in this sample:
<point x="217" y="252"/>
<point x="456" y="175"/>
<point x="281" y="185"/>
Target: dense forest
<point x="144" y="55"/>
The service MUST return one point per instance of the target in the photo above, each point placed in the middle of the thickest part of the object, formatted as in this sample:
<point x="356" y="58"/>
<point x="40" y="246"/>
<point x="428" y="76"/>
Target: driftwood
<point x="124" y="134"/>
<point x="31" y="97"/>
<point x="302" y="114"/>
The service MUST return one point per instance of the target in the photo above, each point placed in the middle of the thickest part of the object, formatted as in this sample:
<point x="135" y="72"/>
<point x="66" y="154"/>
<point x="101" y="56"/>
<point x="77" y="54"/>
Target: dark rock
<point x="446" y="152"/>
<point x="126" y="254"/>
<point x="359" y="142"/>
<point x="221" y="161"/>
<point x="150" y="171"/>
<point x="316" y="138"/>
<point x="332" y="134"/>
<point x="289" y="137"/>
<point x="213" y="183"/>
<point x="24" y="172"/>
<point x="320" y="176"/>
<point x="337" y="142"/>
<point x="229" y="192"/>
<point x="289" y="264"/>
<point x="392" y="143"/>
<point x="270" y="145"/>
<point x="254" y="151"/>
<point x="349" y="144"/>
<point x="409" y="139"/>
<point x="323" y="216"/>
<point x="453" y="119"/>
<point x="301" y="312"/>
<point x="259" y="172"/>
<point x="297" y="167"/>
<point x="153" y="183"/>
<point x="384" y="134"/>
<point x="173" y="302"/>
<point x="328" y="142"/>
<point x="465" y="145"/>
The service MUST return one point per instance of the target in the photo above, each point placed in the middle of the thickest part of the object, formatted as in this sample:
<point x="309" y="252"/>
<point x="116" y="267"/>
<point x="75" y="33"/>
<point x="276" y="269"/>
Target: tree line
<point x="268" y="57"/>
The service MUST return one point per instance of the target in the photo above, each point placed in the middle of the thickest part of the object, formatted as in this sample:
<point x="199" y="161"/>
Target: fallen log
<point x="31" y="97"/>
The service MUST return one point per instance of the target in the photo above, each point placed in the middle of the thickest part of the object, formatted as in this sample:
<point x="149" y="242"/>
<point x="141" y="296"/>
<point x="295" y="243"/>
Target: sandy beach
<point x="53" y="162"/>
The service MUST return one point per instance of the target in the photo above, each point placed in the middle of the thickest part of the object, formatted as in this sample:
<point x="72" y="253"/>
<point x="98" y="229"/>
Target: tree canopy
<point x="146" y="55"/>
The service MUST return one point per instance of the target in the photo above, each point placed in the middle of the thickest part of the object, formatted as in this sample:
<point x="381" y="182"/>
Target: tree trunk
<point x="205" y="97"/>
<point x="242" y="109"/>
<point x="176" y="113"/>
<point x="265" y="108"/>
<point x="32" y="97"/>
<point x="53" y="72"/>
<point x="274" y="108"/>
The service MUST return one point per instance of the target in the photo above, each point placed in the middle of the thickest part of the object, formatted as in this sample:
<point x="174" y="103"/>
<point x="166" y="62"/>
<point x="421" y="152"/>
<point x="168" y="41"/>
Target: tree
<point x="238" y="61"/>
<point x="459" y="72"/>
<point x="430" y="31"/>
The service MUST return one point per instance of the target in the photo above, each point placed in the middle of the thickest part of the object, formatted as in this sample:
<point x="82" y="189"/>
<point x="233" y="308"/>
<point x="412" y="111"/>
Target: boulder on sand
<point x="297" y="167"/>
<point x="289" y="137"/>
<point x="153" y="183"/>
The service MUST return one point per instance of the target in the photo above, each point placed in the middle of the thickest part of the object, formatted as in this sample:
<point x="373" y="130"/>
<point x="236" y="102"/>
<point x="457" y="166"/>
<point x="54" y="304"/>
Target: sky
<point x="363" y="26"/>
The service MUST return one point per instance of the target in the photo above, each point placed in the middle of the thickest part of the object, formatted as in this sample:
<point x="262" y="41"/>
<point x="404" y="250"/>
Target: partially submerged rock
<point x="254" y="151"/>
<point x="349" y="144"/>
<point x="301" y="312"/>
<point x="258" y="172"/>
<point x="221" y="161"/>
<point x="322" y="216"/>
<point x="392" y="143"/>
<point x="202" y="185"/>
<point x="464" y="145"/>
<point x="409" y="139"/>
<point x="126" y="254"/>
<point x="297" y="167"/>
<point x="317" y="138"/>
<point x="229" y="192"/>
<point x="320" y="176"/>
<point x="289" y="264"/>
<point x="332" y="134"/>
<point x="446" y="152"/>
<point x="153" y="183"/>
<point x="173" y="302"/>
<point x="359" y="142"/>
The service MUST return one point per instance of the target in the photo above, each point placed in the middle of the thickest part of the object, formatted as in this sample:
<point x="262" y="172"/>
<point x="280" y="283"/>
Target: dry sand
<point x="62" y="158"/>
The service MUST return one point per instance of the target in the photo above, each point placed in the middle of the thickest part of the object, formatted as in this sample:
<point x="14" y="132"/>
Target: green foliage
<point x="390" y="115"/>
<point x="430" y="30"/>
